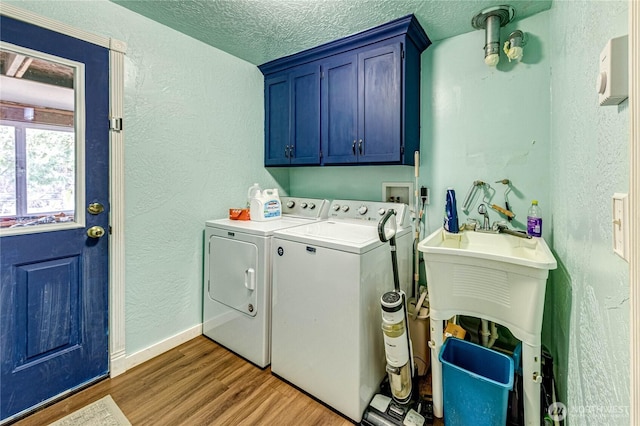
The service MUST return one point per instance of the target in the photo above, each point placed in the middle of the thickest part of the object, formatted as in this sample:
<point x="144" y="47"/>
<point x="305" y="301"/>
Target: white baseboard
<point x="162" y="346"/>
<point x="118" y="364"/>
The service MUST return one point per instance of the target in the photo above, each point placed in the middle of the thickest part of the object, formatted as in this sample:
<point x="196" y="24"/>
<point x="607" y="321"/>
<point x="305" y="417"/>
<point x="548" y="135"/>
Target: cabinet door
<point x="379" y="100"/>
<point x="305" y="115"/>
<point x="276" y="124"/>
<point x="339" y="109"/>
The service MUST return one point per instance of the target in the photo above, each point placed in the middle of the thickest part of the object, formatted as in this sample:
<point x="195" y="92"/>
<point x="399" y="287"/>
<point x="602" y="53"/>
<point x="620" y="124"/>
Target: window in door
<point x="37" y="173"/>
<point x="40" y="150"/>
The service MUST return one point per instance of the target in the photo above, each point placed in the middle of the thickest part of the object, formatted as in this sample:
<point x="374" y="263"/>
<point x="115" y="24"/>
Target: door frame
<point x="117" y="50"/>
<point x="634" y="208"/>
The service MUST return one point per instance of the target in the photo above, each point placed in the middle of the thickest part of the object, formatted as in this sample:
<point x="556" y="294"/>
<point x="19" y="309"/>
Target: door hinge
<point x="115" y="124"/>
<point x="401" y="150"/>
<point x="110" y="230"/>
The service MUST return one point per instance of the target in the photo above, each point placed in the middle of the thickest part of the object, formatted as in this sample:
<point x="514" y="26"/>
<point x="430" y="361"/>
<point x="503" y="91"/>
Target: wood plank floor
<point x="198" y="383"/>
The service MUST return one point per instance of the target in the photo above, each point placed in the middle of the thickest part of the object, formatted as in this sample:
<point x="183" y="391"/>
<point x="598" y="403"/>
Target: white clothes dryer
<point x="328" y="278"/>
<point x="237" y="277"/>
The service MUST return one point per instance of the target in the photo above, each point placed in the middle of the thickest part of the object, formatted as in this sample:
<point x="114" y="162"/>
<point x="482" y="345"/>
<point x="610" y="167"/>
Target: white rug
<point x="103" y="412"/>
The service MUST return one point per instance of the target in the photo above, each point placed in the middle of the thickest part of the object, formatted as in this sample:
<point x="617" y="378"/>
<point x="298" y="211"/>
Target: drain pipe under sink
<point x="488" y="338"/>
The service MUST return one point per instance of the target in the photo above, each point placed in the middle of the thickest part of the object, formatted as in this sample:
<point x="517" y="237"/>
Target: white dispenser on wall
<point x="613" y="79"/>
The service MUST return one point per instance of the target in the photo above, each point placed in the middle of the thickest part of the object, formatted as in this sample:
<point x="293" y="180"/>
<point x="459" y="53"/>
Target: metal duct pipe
<point x="492" y="41"/>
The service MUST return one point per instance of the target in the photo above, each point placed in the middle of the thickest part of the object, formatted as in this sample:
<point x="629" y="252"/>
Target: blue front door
<point x="53" y="279"/>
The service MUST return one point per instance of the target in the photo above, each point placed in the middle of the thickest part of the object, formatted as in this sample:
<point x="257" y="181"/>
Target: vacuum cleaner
<point x="398" y="403"/>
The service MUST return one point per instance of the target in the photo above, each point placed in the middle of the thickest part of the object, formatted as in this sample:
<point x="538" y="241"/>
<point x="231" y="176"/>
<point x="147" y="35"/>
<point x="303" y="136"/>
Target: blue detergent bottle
<point x="451" y="212"/>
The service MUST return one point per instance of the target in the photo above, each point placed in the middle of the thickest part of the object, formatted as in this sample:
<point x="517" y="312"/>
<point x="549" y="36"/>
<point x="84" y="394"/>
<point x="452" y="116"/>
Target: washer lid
<point x="337" y="235"/>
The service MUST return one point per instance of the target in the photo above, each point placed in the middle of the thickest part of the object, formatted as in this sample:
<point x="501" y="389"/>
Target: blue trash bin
<point x="476" y="383"/>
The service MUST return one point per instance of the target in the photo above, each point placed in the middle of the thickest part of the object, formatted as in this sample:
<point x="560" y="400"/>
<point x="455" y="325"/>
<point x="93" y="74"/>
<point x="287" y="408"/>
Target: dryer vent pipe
<point x="491" y="20"/>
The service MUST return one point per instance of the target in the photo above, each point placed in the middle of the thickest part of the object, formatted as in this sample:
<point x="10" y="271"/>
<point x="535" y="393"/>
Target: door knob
<point x="95" y="232"/>
<point x="95" y="208"/>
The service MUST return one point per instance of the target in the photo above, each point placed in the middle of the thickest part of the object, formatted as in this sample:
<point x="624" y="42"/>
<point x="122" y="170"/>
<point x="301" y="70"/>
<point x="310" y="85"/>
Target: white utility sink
<point x="497" y="277"/>
<point x="532" y="252"/>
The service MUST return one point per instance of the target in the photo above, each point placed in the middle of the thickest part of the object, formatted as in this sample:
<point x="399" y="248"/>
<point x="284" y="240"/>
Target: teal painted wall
<point x="193" y="145"/>
<point x="589" y="317"/>
<point x="346" y="182"/>
<point x="482" y="123"/>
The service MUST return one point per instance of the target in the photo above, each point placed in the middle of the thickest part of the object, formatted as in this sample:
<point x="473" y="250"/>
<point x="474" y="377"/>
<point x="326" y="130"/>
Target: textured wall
<point x="487" y="123"/>
<point x="346" y="182"/>
<point x="589" y="162"/>
<point x="193" y="135"/>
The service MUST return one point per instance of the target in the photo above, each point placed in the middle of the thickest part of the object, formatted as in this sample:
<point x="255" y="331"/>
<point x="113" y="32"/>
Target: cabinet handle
<point x="353" y="147"/>
<point x="286" y="151"/>
<point x="360" y="146"/>
<point x="291" y="153"/>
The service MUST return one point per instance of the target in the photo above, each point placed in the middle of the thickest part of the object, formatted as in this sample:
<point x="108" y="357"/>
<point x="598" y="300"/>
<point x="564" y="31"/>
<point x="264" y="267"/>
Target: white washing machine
<point x="328" y="278"/>
<point x="237" y="277"/>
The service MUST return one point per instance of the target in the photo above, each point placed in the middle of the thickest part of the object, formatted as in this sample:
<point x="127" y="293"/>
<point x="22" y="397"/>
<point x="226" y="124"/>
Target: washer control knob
<point x="363" y="209"/>
<point x="303" y="205"/>
<point x="381" y="211"/>
<point x="345" y="208"/>
<point x="335" y="207"/>
<point x="312" y="206"/>
<point x="291" y="203"/>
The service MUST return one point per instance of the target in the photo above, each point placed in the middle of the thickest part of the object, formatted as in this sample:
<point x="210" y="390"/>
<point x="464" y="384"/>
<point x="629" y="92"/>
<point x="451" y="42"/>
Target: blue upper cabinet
<point x="340" y="109"/>
<point x="361" y="106"/>
<point x="380" y="105"/>
<point x="292" y="126"/>
<point x="305" y="115"/>
<point x="276" y="125"/>
<point x="352" y="101"/>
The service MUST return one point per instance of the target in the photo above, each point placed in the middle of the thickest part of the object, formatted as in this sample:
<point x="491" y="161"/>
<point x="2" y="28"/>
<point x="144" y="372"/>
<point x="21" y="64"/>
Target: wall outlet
<point x="424" y="192"/>
<point x="621" y="225"/>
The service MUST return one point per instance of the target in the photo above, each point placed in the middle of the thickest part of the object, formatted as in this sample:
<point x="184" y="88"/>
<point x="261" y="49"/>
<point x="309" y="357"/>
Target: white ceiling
<point x="262" y="30"/>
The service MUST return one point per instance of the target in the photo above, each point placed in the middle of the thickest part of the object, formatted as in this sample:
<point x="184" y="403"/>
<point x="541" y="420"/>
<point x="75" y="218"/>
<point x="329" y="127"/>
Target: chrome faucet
<point x="482" y="209"/>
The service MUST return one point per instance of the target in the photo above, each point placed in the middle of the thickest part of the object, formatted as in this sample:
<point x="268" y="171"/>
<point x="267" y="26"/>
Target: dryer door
<point x="233" y="274"/>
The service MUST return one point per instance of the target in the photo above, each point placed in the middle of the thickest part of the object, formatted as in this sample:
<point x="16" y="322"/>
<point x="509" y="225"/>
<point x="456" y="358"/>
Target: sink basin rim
<point x="433" y="245"/>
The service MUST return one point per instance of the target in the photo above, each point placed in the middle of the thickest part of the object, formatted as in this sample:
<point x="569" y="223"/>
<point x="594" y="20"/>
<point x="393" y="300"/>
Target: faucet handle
<point x="471" y="224"/>
<point x="499" y="224"/>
